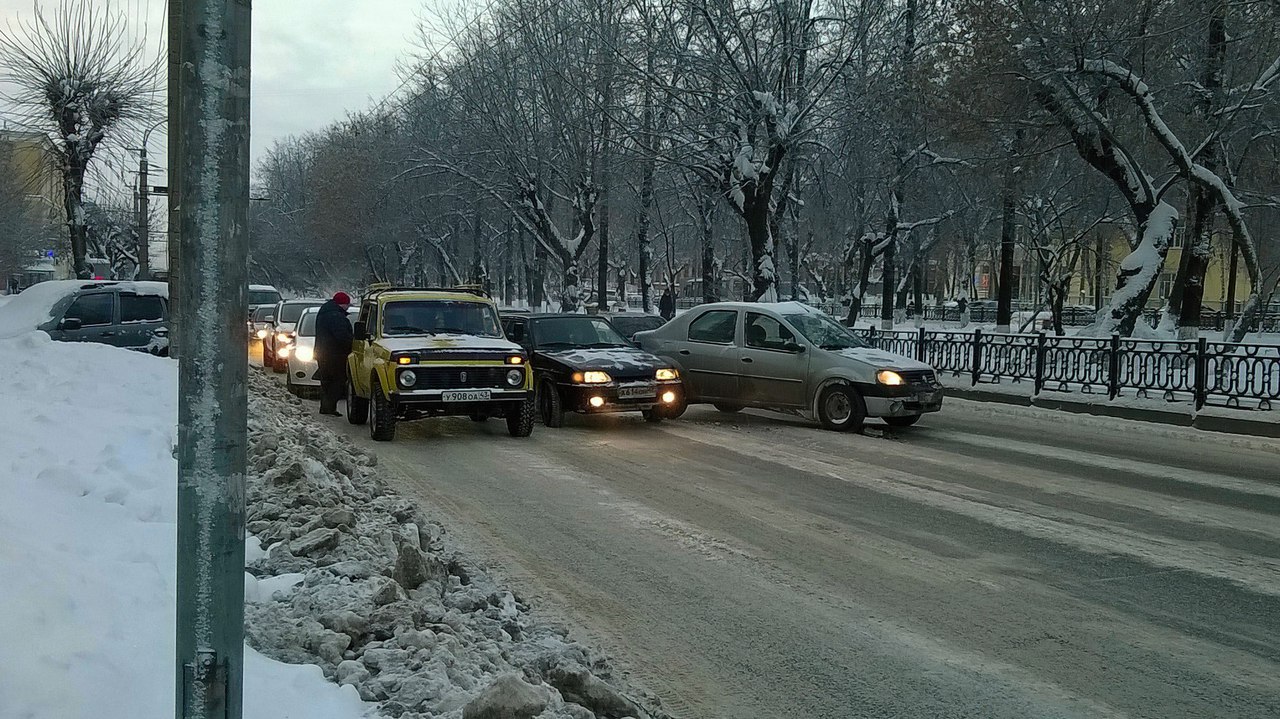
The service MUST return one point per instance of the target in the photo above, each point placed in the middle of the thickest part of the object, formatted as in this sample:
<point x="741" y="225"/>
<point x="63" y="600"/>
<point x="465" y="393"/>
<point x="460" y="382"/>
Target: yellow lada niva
<point x="422" y="352"/>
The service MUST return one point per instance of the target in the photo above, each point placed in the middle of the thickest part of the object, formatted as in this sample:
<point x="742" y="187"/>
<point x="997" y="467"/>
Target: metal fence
<point x="1071" y="316"/>
<point x="1206" y="373"/>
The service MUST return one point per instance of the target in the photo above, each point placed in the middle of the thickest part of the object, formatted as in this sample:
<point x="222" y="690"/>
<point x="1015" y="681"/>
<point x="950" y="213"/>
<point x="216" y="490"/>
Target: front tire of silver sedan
<point x="840" y="408"/>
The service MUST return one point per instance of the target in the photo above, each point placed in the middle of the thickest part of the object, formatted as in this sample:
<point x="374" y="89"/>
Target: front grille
<point x="453" y="377"/>
<point x="919" y="377"/>
<point x="633" y="377"/>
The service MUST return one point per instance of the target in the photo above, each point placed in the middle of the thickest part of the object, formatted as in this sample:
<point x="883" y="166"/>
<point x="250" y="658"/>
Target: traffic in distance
<point x="413" y="353"/>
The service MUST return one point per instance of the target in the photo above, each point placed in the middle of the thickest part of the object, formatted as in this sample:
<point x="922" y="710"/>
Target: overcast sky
<point x="313" y="60"/>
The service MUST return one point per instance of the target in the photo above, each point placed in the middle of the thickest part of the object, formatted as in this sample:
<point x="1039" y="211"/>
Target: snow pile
<point x="358" y="580"/>
<point x="87" y="543"/>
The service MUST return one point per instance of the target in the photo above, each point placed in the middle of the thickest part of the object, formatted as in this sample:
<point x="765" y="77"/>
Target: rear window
<point x="291" y="311"/>
<point x="263" y="297"/>
<point x="262" y="313"/>
<point x="716" y="326"/>
<point x="141" y="308"/>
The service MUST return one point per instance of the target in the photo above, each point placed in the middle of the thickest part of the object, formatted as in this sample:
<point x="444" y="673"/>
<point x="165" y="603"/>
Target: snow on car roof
<point x="263" y="288"/>
<point x="34" y="306"/>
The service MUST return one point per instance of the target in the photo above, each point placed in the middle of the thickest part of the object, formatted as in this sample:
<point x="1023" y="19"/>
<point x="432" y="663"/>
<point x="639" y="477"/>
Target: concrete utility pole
<point x="210" y="172"/>
<point x="144" y="206"/>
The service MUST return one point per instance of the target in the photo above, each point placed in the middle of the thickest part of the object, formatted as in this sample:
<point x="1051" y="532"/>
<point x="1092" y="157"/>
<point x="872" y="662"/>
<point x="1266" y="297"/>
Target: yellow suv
<point x="426" y="352"/>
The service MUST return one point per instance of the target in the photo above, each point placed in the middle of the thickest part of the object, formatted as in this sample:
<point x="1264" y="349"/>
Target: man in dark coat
<point x="667" y="305"/>
<point x="333" y="344"/>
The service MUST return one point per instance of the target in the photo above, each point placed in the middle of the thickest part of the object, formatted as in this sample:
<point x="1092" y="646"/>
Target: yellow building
<point x="32" y="159"/>
<point x="1216" y="280"/>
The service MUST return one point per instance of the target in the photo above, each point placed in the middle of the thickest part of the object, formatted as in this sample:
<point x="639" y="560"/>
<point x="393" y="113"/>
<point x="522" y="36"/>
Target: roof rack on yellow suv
<point x="380" y="287"/>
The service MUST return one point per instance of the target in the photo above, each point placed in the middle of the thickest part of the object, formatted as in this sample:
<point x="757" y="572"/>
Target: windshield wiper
<point x="595" y="345"/>
<point x="544" y="345"/>
<point x="408" y="330"/>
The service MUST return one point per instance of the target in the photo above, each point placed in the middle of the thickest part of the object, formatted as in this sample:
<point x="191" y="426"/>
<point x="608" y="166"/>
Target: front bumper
<point x="905" y="403"/>
<point x="577" y="397"/>
<point x="433" y="400"/>
<point x="302" y="373"/>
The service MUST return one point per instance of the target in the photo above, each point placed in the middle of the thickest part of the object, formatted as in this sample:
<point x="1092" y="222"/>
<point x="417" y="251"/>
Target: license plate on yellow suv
<point x="471" y="395"/>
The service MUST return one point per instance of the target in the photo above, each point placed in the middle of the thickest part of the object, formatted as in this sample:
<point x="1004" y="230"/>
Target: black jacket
<point x="333" y="340"/>
<point x="667" y="306"/>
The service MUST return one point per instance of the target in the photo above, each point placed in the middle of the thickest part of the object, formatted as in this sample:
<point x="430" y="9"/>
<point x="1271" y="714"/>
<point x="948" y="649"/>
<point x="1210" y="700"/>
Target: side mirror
<point x="70" y="323"/>
<point x="360" y="332"/>
<point x="794" y="347"/>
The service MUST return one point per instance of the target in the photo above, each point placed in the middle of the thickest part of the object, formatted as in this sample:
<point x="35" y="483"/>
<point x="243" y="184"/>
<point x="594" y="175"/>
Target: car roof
<point x="452" y="295"/>
<point x="303" y="301"/>
<point x="551" y="315"/>
<point x="792" y="307"/>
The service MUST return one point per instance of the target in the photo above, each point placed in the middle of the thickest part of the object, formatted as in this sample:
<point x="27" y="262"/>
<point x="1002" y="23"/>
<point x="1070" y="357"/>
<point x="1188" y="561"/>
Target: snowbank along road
<point x="992" y="562"/>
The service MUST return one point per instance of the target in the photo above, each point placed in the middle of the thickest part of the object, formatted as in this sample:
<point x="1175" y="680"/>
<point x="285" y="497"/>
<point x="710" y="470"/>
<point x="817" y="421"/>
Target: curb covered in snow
<point x="357" y="580"/>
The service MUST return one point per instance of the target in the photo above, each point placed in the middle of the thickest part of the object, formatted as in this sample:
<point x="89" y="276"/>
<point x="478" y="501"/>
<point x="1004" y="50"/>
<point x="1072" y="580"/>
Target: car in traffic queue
<point x="431" y="352"/>
<point x="301" y="366"/>
<point x="260" y="322"/>
<point x="629" y="324"/>
<point x="262" y="296"/>
<point x="279" y="340"/>
<point x="581" y="363"/>
<point x="792" y="358"/>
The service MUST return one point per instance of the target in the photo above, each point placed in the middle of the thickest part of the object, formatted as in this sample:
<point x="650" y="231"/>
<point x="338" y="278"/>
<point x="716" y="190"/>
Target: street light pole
<point x="209" y="168"/>
<point x="144" y="208"/>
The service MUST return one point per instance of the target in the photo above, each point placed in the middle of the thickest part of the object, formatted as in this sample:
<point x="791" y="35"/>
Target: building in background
<point x="33" y="247"/>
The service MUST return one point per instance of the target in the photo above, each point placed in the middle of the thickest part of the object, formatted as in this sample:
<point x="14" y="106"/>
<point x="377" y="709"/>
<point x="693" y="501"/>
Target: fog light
<point x="597" y="402"/>
<point x="300" y="375"/>
<point x="515" y="377"/>
<point x="668" y="397"/>
<point x="408" y="378"/>
<point x="262" y="334"/>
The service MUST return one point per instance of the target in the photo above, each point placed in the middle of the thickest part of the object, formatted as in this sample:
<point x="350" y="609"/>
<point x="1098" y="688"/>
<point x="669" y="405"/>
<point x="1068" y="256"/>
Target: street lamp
<point x="144" y="211"/>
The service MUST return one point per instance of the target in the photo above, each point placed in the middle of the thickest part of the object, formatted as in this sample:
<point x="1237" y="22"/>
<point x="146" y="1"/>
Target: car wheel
<point x="382" y="415"/>
<point x="550" y="404"/>
<point x="278" y="364"/>
<point x="289" y="385"/>
<point x="357" y="406"/>
<point x="902" y="421"/>
<point x="840" y="408"/>
<point x="652" y="415"/>
<point x="520" y="418"/>
<point x="727" y="407"/>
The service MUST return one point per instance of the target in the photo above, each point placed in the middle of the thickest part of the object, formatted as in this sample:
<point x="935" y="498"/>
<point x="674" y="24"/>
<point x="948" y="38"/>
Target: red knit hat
<point x="342" y="298"/>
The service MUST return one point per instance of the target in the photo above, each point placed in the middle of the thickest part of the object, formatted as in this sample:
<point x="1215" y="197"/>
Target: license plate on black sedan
<point x="638" y="391"/>
<point x="474" y="395"/>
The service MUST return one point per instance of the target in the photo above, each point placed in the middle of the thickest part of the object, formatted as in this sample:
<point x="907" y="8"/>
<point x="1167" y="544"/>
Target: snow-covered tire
<point x="902" y="421"/>
<point x="654" y="415"/>
<point x="382" y="414"/>
<point x="550" y="404"/>
<point x="727" y="407"/>
<point x="840" y="408"/>
<point x="520" y="418"/>
<point x="357" y="406"/>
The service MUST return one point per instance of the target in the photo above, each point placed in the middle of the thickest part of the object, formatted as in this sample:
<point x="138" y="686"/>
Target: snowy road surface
<point x="992" y="562"/>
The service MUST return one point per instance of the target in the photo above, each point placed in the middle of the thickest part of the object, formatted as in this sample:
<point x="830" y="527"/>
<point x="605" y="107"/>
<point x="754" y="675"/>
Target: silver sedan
<point x="790" y="357"/>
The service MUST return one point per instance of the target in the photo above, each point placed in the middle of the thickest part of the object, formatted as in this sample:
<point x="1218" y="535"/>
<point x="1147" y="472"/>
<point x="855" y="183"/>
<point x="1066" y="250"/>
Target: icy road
<point x="992" y="562"/>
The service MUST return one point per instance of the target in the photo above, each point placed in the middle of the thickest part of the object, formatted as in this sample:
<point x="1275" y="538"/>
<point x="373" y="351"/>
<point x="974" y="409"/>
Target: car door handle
<point x="107" y="334"/>
<point x="684" y="352"/>
<point x="748" y="360"/>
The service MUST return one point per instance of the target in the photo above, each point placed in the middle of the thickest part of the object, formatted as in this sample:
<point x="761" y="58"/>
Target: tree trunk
<point x="706" y="218"/>
<point x="1010" y="195"/>
<point x="917" y="281"/>
<point x="78" y="228"/>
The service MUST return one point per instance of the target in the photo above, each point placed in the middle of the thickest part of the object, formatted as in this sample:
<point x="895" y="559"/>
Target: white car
<point x="300" y="367"/>
<point x="278" y="343"/>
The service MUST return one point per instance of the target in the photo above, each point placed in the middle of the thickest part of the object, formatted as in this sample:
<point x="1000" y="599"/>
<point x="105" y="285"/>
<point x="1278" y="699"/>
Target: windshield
<point x="581" y="331"/>
<point x="291" y="311"/>
<point x="439" y="317"/>
<point x="263" y="297"/>
<point x="640" y="323"/>
<point x="823" y="331"/>
<point x="262" y="313"/>
<point x="307" y="325"/>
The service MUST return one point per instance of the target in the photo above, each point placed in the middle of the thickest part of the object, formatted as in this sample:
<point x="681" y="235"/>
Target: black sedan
<point x="629" y="324"/>
<point x="582" y="364"/>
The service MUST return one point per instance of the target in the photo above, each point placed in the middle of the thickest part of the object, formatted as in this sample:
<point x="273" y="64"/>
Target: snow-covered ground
<point x="87" y="544"/>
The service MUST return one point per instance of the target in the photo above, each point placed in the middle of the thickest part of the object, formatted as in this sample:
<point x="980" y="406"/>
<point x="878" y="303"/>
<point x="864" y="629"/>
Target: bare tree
<point x="81" y="73"/>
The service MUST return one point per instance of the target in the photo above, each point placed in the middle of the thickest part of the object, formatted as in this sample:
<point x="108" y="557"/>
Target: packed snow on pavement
<point x="87" y="544"/>
<point x="357" y="604"/>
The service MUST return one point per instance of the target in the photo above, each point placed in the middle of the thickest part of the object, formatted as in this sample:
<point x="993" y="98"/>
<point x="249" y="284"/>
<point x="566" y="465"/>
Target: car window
<point x="141" y="308"/>
<point x="767" y="333"/>
<point x="307" y="325"/>
<point x="576" y="331"/>
<point x="716" y="326"/>
<point x="439" y="317"/>
<point x="264" y="314"/>
<point x="95" y="309"/>
<point x="824" y="331"/>
<point x="638" y="323"/>
<point x="291" y="311"/>
<point x="263" y="297"/>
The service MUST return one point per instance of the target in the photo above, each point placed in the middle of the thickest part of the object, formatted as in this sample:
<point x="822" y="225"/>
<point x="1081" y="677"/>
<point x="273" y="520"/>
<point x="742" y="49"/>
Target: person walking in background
<point x="333" y="344"/>
<point x="667" y="305"/>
